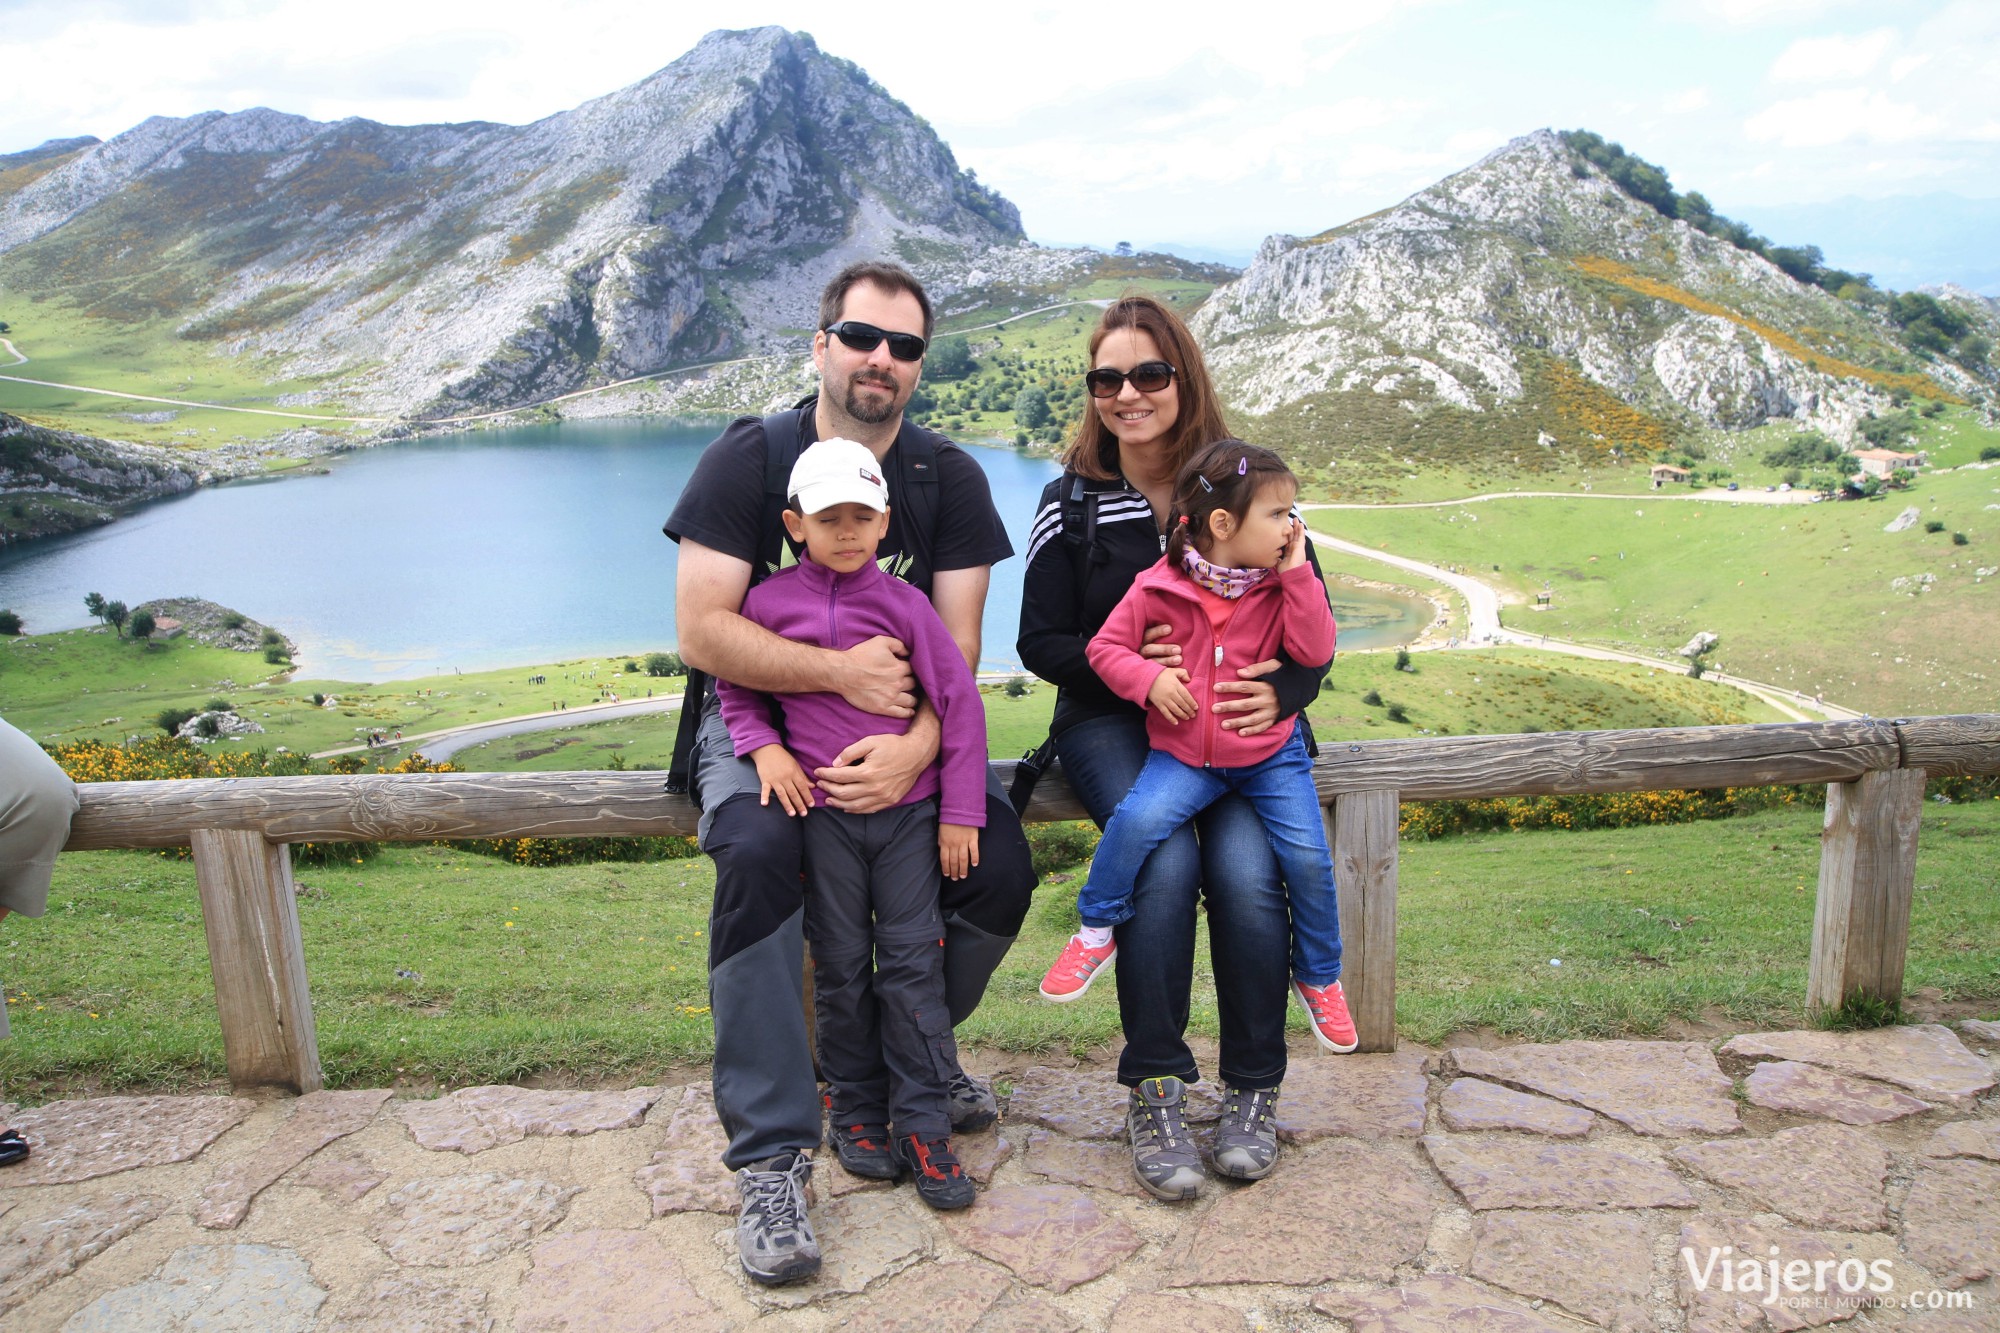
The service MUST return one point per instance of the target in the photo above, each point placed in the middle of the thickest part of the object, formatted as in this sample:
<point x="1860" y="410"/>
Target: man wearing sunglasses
<point x="944" y="536"/>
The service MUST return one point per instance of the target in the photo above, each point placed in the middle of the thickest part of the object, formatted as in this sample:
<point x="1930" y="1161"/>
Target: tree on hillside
<point x="143" y="625"/>
<point x="665" y="664"/>
<point x="948" y="359"/>
<point x="1031" y="407"/>
<point x="115" y="614"/>
<point x="10" y="623"/>
<point x="93" y="602"/>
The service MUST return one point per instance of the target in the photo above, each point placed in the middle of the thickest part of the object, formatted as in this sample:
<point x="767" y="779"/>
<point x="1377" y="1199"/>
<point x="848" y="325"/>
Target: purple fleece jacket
<point x="809" y="603"/>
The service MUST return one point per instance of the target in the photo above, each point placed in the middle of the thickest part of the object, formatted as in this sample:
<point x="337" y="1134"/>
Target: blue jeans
<point x="1232" y="868"/>
<point x="1280" y="789"/>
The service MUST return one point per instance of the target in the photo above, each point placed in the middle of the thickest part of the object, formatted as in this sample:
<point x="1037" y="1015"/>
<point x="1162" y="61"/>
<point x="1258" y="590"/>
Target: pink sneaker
<point x="1074" y="971"/>
<point x="1326" y="1006"/>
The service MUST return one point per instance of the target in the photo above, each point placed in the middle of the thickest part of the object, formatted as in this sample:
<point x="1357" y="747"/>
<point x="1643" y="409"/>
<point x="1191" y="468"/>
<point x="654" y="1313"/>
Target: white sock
<point x="1095" y="937"/>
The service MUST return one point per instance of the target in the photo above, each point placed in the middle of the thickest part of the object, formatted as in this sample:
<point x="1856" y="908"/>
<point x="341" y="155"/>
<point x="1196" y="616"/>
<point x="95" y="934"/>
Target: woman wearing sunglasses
<point x="1099" y="525"/>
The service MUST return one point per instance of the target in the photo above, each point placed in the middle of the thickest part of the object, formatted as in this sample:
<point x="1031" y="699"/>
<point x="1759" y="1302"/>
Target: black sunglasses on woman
<point x="1146" y="377"/>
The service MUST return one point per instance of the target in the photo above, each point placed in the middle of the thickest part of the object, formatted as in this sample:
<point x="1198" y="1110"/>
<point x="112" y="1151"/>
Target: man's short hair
<point x="889" y="277"/>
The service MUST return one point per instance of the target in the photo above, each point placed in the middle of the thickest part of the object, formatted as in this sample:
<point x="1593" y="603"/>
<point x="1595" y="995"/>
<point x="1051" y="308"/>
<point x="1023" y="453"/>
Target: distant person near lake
<point x="944" y="535"/>
<point x="1099" y="527"/>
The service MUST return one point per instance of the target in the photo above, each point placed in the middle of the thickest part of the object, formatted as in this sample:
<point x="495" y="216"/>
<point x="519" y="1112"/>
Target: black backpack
<point x="916" y="512"/>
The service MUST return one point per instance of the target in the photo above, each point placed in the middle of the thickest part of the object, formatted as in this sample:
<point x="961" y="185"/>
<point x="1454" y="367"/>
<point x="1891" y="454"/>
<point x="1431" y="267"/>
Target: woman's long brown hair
<point x="1093" y="451"/>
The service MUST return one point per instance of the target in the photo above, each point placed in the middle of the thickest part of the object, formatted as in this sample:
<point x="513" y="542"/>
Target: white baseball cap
<point x="837" y="472"/>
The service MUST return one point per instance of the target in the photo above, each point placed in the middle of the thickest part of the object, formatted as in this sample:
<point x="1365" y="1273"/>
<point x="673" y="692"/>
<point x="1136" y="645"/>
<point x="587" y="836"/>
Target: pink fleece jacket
<point x="1288" y="609"/>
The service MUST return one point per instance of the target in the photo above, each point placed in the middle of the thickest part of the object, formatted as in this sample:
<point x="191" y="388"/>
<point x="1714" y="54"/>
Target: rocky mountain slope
<point x="442" y="268"/>
<point x="54" y="481"/>
<point x="1530" y="306"/>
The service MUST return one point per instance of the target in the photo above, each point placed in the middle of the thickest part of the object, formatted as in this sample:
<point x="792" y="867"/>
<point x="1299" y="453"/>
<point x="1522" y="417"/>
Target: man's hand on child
<point x="1170" y="695"/>
<point x="958" y="849"/>
<point x="780" y="774"/>
<point x="1166" y="654"/>
<point x="878" y="678"/>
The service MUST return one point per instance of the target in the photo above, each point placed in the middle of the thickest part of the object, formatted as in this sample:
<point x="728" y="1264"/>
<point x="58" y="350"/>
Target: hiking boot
<point x="773" y="1234"/>
<point x="864" y="1149"/>
<point x="941" y="1181"/>
<point x="1326" y="1006"/>
<point x="1073" y="972"/>
<point x="1163" y="1155"/>
<point x="1246" y="1141"/>
<point x="971" y="1102"/>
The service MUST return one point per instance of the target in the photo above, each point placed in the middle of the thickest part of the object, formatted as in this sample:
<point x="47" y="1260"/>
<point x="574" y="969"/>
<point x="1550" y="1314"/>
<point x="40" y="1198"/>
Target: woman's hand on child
<point x="780" y="774"/>
<point x="958" y="849"/>
<point x="1170" y="695"/>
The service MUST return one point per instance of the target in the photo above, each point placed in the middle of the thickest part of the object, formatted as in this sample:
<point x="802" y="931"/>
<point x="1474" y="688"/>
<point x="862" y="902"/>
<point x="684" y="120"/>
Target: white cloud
<point x="1832" y="59"/>
<point x="1755" y="13"/>
<point x="1841" y="115"/>
<point x="1688" y="100"/>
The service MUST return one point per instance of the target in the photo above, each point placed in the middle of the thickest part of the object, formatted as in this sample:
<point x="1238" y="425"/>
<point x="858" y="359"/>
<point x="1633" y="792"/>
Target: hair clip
<point x="1183" y="520"/>
<point x="1204" y="483"/>
<point x="1243" y="466"/>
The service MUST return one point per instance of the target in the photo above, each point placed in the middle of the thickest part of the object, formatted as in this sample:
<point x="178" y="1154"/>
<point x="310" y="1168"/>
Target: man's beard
<point x="867" y="411"/>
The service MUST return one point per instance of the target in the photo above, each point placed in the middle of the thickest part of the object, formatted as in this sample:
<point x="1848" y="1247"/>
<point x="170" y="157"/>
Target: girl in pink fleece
<point x="1235" y="579"/>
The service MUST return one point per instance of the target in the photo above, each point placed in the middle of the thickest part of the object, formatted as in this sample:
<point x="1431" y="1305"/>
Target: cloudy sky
<point x="1209" y="125"/>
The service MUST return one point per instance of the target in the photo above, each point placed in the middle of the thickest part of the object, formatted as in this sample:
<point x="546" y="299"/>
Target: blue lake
<point x="476" y="551"/>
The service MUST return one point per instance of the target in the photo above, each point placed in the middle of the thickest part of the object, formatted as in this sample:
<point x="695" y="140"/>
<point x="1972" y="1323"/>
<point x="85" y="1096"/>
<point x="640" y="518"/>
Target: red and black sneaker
<point x="865" y="1150"/>
<point x="941" y="1181"/>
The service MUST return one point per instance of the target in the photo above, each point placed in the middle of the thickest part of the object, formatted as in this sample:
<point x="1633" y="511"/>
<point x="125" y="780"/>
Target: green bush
<point x="1397" y="713"/>
<point x="1403" y="660"/>
<point x="170" y="719"/>
<point x="1989" y="453"/>
<point x="1934" y="526"/>
<point x="664" y="664"/>
<point x="1055" y="847"/>
<point x="1019" y="687"/>
<point x="10" y="623"/>
<point x="1373" y="698"/>
<point x="233" y="620"/>
<point x="1960" y="539"/>
<point x="207" y="727"/>
<point x="274" y="653"/>
<point x="219" y="705"/>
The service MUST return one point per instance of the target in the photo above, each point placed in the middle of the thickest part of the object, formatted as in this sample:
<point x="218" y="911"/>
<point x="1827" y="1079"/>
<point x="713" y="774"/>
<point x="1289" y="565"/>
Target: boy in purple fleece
<point x="872" y="918"/>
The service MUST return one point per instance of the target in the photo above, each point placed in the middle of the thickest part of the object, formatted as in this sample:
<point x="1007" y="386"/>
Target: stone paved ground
<point x="1520" y="1189"/>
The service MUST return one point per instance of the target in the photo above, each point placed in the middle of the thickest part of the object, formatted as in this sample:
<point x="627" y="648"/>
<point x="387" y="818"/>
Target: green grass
<point x="143" y="356"/>
<point x="68" y="684"/>
<point x="1802" y="596"/>
<point x="1509" y="690"/>
<point x="601" y="974"/>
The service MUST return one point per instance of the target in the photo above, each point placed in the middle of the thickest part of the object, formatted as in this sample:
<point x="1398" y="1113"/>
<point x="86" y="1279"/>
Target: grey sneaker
<point x="1163" y="1155"/>
<point x="773" y="1234"/>
<point x="1246" y="1142"/>
<point x="971" y="1103"/>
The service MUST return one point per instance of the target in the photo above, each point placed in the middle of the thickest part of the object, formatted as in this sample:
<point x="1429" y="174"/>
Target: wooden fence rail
<point x="1875" y="771"/>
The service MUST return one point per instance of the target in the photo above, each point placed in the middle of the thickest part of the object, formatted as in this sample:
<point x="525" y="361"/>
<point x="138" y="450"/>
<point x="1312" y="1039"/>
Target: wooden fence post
<point x="1867" y="873"/>
<point x="257" y="960"/>
<point x="1361" y="827"/>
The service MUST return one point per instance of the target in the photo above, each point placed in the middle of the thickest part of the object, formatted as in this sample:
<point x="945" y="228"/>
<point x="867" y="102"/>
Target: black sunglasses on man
<point x="866" y="338"/>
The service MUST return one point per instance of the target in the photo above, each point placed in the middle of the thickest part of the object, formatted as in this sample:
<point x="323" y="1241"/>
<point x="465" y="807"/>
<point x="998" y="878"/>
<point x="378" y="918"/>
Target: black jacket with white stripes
<point x="1070" y="588"/>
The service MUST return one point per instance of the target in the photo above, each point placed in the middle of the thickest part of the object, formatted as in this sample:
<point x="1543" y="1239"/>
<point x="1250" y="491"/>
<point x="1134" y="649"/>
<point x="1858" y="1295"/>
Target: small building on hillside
<point x="1666" y="472"/>
<point x="1882" y="462"/>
